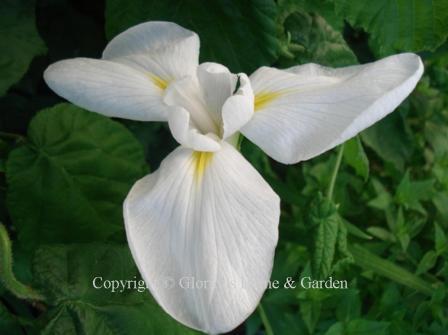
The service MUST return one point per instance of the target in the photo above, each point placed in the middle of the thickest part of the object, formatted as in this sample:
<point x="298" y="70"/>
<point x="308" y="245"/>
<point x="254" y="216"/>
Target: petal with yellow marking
<point x="324" y="107"/>
<point x="220" y="233"/>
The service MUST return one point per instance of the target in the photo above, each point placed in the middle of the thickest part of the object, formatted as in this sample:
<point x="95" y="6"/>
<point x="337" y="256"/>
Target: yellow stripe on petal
<point x="159" y="82"/>
<point x="201" y="160"/>
<point x="264" y="98"/>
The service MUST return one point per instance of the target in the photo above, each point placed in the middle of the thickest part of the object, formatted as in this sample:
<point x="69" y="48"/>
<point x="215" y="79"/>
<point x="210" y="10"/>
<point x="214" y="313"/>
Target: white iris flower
<point x="203" y="227"/>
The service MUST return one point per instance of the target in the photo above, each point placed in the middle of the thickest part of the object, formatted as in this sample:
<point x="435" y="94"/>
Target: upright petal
<point x="228" y="97"/>
<point x="164" y="50"/>
<point x="202" y="230"/>
<point x="239" y="108"/>
<point x="217" y="84"/>
<point x="307" y="110"/>
<point x="108" y="88"/>
<point x="186" y="93"/>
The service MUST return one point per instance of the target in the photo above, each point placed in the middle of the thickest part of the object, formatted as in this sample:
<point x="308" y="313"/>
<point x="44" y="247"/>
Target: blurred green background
<point x="64" y="172"/>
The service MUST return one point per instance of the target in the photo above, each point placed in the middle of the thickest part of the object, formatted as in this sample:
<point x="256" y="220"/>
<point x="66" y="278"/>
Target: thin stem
<point x="265" y="320"/>
<point x="7" y="276"/>
<point x="335" y="172"/>
<point x="11" y="136"/>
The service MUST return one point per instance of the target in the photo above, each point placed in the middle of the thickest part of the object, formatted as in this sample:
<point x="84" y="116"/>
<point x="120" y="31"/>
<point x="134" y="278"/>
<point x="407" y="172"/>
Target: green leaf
<point x="349" y="305"/>
<point x="355" y="231"/>
<point x="238" y="34"/>
<point x="330" y="243"/>
<point x="325" y="216"/>
<point x="396" y="26"/>
<point x="19" y="40"/>
<point x="402" y="229"/>
<point x="441" y="240"/>
<point x="359" y="327"/>
<point x="381" y="233"/>
<point x="427" y="262"/>
<point x="389" y="140"/>
<point x="68" y="183"/>
<point x="355" y="156"/>
<point x="440" y="200"/>
<point x="385" y="268"/>
<point x="383" y="200"/>
<point x="282" y="321"/>
<point x="310" y="311"/>
<point x="410" y="193"/>
<point x="66" y="274"/>
<point x="324" y="8"/>
<point x="313" y="40"/>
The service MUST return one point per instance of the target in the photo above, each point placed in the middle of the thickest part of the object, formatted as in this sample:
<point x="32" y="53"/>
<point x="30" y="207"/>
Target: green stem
<point x="335" y="172"/>
<point x="7" y="276"/>
<point x="265" y="320"/>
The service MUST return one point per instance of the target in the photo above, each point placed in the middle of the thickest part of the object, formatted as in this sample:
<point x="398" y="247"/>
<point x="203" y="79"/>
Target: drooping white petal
<point x="185" y="132"/>
<point x="239" y="108"/>
<point x="108" y="88"/>
<point x="209" y="219"/>
<point x="307" y="110"/>
<point x="163" y="49"/>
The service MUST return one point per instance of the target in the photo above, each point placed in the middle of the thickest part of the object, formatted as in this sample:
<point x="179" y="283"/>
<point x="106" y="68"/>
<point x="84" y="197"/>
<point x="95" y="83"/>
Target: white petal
<point x="164" y="49"/>
<point x="217" y="84"/>
<point x="209" y="217"/>
<point x="186" y="93"/>
<point x="108" y="88"/>
<point x="238" y="109"/>
<point x="307" y="110"/>
<point x="186" y="134"/>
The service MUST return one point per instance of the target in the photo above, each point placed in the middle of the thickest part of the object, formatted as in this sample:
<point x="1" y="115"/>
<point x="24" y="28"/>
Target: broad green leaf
<point x="68" y="183"/>
<point x="355" y="156"/>
<point x="19" y="40"/>
<point x="343" y="254"/>
<point x="313" y="40"/>
<point x="325" y="217"/>
<point x="401" y="25"/>
<point x="238" y="34"/>
<point x="66" y="274"/>
<point x="330" y="242"/>
<point x="389" y="140"/>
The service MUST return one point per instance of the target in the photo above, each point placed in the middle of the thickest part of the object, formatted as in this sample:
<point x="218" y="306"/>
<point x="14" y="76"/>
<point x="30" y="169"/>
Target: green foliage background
<point x="64" y="172"/>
